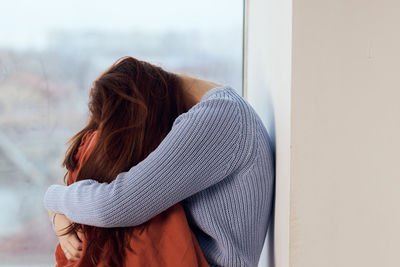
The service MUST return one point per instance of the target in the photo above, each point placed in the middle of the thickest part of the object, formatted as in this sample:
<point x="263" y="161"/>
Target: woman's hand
<point x="71" y="243"/>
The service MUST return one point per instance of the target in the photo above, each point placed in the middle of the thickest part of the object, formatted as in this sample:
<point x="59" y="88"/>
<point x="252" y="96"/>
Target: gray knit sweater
<point x="216" y="159"/>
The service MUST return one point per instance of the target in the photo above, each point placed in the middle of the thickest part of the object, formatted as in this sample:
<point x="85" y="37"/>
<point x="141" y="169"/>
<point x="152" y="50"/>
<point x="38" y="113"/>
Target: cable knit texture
<point x="216" y="159"/>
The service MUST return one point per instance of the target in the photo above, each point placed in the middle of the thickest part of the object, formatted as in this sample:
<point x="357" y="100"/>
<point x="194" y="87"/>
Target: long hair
<point x="132" y="107"/>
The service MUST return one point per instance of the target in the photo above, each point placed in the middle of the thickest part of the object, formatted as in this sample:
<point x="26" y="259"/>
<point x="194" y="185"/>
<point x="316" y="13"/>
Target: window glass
<point x="50" y="53"/>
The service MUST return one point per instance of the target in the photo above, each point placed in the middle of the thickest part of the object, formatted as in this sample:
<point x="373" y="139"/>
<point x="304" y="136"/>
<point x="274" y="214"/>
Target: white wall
<point x="267" y="82"/>
<point x="345" y="161"/>
<point x="328" y="89"/>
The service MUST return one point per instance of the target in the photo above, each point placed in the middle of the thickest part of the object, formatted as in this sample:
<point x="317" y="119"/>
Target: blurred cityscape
<point x="44" y="94"/>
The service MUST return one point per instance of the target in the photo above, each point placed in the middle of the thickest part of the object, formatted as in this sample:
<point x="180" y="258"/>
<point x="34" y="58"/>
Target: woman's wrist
<point x="52" y="221"/>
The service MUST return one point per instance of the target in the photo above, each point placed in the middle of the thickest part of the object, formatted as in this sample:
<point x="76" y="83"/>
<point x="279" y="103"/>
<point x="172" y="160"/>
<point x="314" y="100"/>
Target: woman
<point x="216" y="160"/>
<point x="125" y="126"/>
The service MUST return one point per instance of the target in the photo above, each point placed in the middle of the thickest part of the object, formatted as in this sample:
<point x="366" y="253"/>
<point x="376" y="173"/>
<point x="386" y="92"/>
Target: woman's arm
<point x="202" y="148"/>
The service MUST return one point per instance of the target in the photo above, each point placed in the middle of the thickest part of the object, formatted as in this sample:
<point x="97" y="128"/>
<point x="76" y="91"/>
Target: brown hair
<point x="132" y="106"/>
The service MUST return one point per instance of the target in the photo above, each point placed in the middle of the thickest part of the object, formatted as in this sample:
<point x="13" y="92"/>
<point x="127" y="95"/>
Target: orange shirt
<point x="163" y="241"/>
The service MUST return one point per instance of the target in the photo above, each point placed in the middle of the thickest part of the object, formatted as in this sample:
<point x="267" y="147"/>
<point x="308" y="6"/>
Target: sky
<point x="27" y="22"/>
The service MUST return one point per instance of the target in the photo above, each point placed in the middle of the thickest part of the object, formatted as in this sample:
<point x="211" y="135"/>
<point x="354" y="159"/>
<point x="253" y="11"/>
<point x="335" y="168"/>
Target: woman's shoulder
<point x="84" y="149"/>
<point x="87" y="137"/>
<point x="86" y="145"/>
<point x="218" y="108"/>
<point x="229" y="96"/>
<point x="253" y="131"/>
<point x="226" y="92"/>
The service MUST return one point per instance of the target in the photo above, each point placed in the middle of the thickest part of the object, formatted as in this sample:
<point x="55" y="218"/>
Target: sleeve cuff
<point x="53" y="198"/>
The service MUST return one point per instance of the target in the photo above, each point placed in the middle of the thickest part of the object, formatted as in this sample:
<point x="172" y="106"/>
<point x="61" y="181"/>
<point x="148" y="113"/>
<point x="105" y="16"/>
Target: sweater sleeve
<point x="202" y="148"/>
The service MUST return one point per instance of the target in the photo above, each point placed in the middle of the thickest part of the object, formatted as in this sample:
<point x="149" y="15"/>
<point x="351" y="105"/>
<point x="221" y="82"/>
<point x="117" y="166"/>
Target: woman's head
<point x="132" y="105"/>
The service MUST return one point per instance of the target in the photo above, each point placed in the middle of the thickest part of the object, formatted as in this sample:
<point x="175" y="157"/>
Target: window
<point x="50" y="52"/>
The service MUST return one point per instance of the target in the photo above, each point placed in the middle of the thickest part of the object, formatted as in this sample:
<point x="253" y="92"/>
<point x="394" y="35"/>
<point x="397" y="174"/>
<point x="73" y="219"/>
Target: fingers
<point x="80" y="235"/>
<point x="71" y="253"/>
<point x="61" y="224"/>
<point x="75" y="242"/>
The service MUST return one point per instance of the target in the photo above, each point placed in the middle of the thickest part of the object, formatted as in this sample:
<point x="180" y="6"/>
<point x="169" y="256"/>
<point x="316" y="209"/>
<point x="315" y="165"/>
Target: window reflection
<point x="50" y="52"/>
